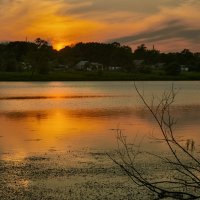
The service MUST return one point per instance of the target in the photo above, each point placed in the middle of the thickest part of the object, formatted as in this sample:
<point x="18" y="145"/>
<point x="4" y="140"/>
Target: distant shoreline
<point x="97" y="76"/>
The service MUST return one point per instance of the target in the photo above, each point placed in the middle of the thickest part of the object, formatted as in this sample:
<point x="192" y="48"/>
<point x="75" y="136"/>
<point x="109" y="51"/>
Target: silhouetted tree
<point x="107" y="54"/>
<point x="140" y="52"/>
<point x="41" y="56"/>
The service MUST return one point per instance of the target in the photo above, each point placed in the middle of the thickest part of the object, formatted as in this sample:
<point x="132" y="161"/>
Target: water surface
<point x="38" y="117"/>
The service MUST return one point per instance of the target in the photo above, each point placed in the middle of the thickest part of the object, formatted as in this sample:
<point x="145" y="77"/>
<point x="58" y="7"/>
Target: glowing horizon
<point x="170" y="25"/>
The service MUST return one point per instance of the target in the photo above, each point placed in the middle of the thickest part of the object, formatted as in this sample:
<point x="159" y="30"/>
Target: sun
<point x="60" y="45"/>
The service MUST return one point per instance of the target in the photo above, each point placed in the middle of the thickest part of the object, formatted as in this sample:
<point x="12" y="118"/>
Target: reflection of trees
<point x="24" y="115"/>
<point x="185" y="114"/>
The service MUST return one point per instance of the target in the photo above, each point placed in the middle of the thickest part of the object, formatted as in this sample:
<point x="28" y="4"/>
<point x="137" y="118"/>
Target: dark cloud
<point x="144" y="6"/>
<point x="169" y="30"/>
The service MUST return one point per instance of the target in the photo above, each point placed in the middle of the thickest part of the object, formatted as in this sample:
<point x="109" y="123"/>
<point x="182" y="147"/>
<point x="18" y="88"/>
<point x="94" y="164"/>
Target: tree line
<point x="40" y="57"/>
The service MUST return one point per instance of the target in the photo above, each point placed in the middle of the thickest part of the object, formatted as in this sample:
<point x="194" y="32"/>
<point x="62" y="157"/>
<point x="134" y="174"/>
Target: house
<point x="96" y="66"/>
<point x="160" y="65"/>
<point x="138" y="63"/>
<point x="88" y="66"/>
<point x="26" y="66"/>
<point x="82" y="65"/>
<point x="61" y="68"/>
<point x="112" y="68"/>
<point x="184" y="68"/>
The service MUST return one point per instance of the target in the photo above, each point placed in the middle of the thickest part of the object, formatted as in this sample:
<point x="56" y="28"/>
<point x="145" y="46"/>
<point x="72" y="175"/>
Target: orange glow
<point x="62" y="33"/>
<point x="61" y="122"/>
<point x="45" y="130"/>
<point x="60" y="45"/>
<point x="67" y="22"/>
<point x="57" y="129"/>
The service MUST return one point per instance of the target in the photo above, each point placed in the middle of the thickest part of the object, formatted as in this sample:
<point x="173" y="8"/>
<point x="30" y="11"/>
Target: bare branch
<point x="185" y="165"/>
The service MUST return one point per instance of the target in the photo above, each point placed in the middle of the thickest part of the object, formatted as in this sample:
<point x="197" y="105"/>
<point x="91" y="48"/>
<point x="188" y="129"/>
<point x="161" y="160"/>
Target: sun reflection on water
<point x="83" y="119"/>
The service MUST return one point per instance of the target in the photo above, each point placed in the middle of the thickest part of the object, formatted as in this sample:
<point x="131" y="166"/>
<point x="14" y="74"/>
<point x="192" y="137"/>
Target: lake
<point x="39" y="117"/>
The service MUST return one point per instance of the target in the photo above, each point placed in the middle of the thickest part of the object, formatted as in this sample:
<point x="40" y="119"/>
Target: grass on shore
<point x="96" y="76"/>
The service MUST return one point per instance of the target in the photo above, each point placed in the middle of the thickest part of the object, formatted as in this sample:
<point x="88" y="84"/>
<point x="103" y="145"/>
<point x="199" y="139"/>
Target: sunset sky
<point x="170" y="25"/>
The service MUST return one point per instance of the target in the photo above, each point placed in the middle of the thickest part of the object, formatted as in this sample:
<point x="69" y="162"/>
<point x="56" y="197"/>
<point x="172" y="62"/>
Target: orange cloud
<point x="32" y="20"/>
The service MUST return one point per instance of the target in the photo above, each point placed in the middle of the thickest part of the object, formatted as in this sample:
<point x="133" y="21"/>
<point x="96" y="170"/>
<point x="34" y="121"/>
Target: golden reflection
<point x="17" y="155"/>
<point x="34" y="132"/>
<point x="41" y="131"/>
<point x="58" y="123"/>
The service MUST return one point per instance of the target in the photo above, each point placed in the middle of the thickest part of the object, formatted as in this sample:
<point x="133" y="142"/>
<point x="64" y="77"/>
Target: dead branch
<point x="185" y="185"/>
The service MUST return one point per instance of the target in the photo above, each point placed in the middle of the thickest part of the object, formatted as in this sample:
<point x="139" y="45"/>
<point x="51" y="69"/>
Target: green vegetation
<point x="38" y="61"/>
<point x="95" y="76"/>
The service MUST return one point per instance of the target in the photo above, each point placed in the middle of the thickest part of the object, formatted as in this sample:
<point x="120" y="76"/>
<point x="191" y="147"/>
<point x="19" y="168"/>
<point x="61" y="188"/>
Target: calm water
<point x="39" y="117"/>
